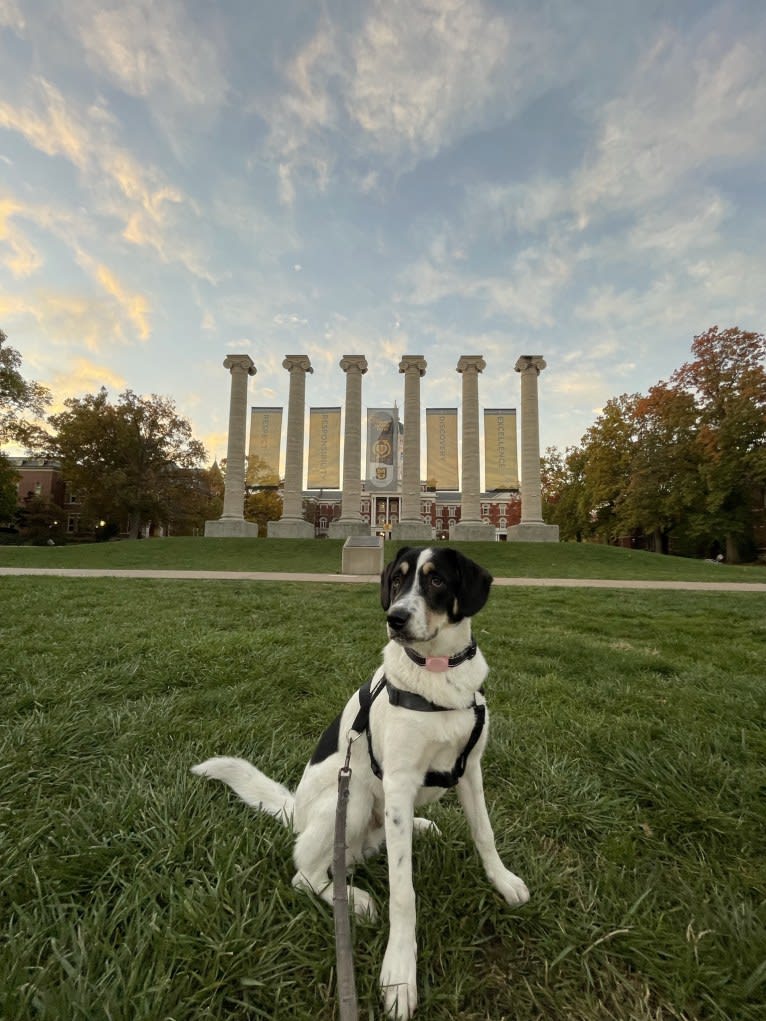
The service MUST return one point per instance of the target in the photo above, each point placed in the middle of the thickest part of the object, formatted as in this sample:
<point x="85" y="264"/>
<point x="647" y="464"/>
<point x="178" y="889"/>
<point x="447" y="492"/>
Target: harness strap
<point x="409" y="700"/>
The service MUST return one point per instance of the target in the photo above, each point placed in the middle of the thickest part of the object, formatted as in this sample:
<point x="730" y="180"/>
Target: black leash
<point x="344" y="958"/>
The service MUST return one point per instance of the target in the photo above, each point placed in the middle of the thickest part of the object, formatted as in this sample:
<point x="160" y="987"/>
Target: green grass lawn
<point x="513" y="559"/>
<point x="625" y="776"/>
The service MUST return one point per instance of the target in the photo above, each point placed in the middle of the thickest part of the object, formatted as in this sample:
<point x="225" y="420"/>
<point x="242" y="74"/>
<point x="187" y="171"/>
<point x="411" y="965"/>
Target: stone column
<point x="232" y="522"/>
<point x="471" y="528"/>
<point x="532" y="528"/>
<point x="351" y="522"/>
<point x="411" y="525"/>
<point x="292" y="525"/>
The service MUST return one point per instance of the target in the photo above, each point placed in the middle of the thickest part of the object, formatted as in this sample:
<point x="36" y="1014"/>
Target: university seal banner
<point x="265" y="442"/>
<point x="382" y="448"/>
<point x="441" y="448"/>
<point x="324" y="448"/>
<point x="501" y="469"/>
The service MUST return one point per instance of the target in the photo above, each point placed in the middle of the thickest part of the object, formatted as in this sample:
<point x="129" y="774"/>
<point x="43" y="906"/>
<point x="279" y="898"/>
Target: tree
<point x="262" y="507"/>
<point x="18" y="398"/>
<point x="565" y="500"/>
<point x="726" y="380"/>
<point x="127" y="458"/>
<point x="663" y="488"/>
<point x="608" y="449"/>
<point x="262" y="501"/>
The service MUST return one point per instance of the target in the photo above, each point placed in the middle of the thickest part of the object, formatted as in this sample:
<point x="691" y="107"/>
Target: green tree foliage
<point x="686" y="458"/>
<point x="565" y="498"/>
<point x="262" y="502"/>
<point x="131" y="459"/>
<point x="18" y="399"/>
<point x="726" y="380"/>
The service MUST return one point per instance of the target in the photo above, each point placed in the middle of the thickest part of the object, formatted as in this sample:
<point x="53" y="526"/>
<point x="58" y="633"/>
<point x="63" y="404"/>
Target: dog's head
<point x="425" y="590"/>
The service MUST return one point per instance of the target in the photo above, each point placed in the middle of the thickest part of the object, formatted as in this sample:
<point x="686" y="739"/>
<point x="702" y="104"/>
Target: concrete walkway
<point x="372" y="579"/>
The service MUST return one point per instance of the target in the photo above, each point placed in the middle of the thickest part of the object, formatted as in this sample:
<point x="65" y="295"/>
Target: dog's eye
<point x="396" y="583"/>
<point x="435" y="580"/>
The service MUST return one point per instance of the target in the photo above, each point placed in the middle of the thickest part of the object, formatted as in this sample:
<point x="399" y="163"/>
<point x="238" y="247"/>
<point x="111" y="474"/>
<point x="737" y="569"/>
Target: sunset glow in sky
<point x="180" y="180"/>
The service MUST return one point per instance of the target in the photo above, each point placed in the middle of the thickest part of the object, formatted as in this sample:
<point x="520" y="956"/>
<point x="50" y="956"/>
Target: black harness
<point x="409" y="700"/>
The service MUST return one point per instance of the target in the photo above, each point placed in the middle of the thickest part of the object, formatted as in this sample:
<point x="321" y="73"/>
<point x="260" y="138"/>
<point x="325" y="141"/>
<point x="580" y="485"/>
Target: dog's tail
<point x="253" y="786"/>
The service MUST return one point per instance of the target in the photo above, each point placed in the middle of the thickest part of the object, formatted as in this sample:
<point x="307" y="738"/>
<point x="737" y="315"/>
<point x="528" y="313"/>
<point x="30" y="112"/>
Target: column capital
<point x="471" y="363"/>
<point x="297" y="363"/>
<point x="413" y="362"/>
<point x="357" y="363"/>
<point x="240" y="363"/>
<point x="530" y="363"/>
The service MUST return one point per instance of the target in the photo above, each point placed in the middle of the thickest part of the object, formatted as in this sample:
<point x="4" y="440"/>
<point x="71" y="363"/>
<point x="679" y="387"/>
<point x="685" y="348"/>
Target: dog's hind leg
<point x="313" y="855"/>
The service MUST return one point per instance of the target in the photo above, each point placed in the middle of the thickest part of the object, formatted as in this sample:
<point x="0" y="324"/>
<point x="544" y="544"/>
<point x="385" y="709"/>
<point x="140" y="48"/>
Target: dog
<point x="417" y="728"/>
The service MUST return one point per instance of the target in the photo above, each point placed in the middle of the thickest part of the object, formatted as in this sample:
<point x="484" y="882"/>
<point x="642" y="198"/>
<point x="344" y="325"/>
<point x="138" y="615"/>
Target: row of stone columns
<point x="410" y="526"/>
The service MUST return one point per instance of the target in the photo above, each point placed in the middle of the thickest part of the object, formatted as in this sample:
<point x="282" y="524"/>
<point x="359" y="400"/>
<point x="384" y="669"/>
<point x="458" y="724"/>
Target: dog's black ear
<point x="385" y="578"/>
<point x="474" y="585"/>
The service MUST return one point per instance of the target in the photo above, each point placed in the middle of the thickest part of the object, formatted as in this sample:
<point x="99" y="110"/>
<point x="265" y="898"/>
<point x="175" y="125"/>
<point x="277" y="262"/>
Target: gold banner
<point x="501" y="469"/>
<point x="324" y="448"/>
<point x="441" y="447"/>
<point x="265" y="443"/>
<point x="382" y="448"/>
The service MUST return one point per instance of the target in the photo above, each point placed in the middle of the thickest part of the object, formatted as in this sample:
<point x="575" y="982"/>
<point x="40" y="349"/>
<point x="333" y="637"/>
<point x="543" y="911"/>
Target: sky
<point x="181" y="179"/>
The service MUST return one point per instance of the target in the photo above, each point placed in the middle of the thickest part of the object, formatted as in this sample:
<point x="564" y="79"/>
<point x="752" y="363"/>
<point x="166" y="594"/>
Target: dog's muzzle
<point x="397" y="621"/>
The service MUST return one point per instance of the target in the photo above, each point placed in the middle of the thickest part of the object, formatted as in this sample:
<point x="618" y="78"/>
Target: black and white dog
<point x="421" y="723"/>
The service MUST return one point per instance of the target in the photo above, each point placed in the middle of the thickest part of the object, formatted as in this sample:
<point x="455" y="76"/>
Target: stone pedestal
<point x="292" y="524"/>
<point x="350" y="521"/>
<point x="231" y="528"/>
<point x="232" y="521"/>
<point x="411" y="524"/>
<point x="362" y="555"/>
<point x="532" y="527"/>
<point x="471" y="528"/>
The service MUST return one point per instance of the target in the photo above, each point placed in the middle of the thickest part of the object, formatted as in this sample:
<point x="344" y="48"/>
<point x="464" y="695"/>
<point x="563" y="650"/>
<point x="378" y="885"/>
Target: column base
<point x="231" y="528"/>
<point x="412" y="530"/>
<point x="290" y="528"/>
<point x="342" y="529"/>
<point x="472" y="531"/>
<point x="533" y="531"/>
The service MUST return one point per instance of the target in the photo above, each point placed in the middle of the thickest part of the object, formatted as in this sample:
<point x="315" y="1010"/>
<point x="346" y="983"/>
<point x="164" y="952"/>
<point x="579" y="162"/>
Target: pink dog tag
<point x="437" y="664"/>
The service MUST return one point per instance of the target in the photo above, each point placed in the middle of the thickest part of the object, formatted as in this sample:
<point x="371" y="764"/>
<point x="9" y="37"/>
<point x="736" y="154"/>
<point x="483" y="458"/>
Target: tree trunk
<point x="732" y="549"/>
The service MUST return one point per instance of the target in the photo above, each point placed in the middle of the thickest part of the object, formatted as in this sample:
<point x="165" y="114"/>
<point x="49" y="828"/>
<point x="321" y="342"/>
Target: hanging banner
<point x="441" y="448"/>
<point x="501" y="469"/>
<point x="382" y="448"/>
<point x="265" y="442"/>
<point x="324" y="448"/>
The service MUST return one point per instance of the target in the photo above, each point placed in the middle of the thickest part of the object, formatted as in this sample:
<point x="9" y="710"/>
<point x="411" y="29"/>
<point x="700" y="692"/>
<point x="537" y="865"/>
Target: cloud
<point x="134" y="306"/>
<point x="415" y="77"/>
<point x="11" y="16"/>
<point x="22" y="259"/>
<point x="149" y="50"/>
<point x="118" y="185"/>
<point x="82" y="376"/>
<point x="691" y="106"/>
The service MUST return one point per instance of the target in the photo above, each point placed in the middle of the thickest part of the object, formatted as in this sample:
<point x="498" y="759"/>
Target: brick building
<point x="440" y="510"/>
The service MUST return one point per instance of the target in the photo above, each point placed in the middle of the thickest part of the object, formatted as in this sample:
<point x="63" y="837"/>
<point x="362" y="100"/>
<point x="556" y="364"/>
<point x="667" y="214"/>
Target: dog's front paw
<point x="398" y="983"/>
<point x="512" y="888"/>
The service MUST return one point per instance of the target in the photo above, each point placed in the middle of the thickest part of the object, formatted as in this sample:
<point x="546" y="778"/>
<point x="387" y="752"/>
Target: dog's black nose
<point x="397" y="619"/>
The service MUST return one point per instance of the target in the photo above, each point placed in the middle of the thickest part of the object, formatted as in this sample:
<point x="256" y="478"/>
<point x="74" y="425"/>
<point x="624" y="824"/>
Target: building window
<point x="323" y="524"/>
<point x="451" y="522"/>
<point x="73" y="523"/>
<point x="485" y="508"/>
